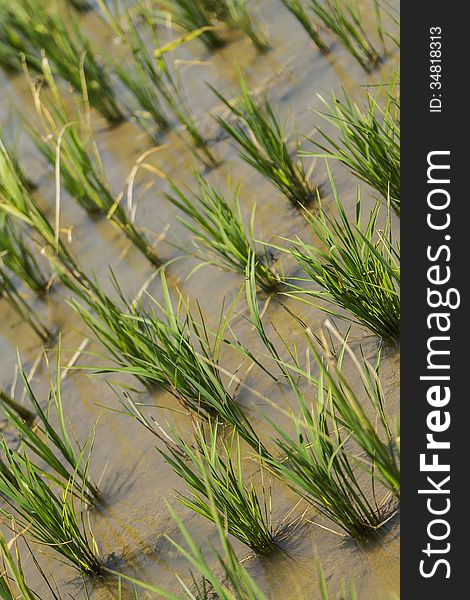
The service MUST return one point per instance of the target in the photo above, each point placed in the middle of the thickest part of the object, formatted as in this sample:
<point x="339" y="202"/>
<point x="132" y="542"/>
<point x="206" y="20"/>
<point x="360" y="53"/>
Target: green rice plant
<point x="344" y="19"/>
<point x="368" y="141"/>
<point x="262" y="145"/>
<point x="12" y="580"/>
<point x="9" y="291"/>
<point x="315" y="462"/>
<point x="12" y="44"/>
<point x="48" y="517"/>
<point x="190" y="15"/>
<point x="297" y="8"/>
<point x="17" y="256"/>
<point x="149" y="77"/>
<point x="52" y="443"/>
<point x="240" y="17"/>
<point x="377" y="436"/>
<point x="219" y="232"/>
<point x="68" y="144"/>
<point x="234" y="583"/>
<point x="356" y="267"/>
<point x="45" y="28"/>
<point x="10" y="404"/>
<point x="206" y="464"/>
<point x="17" y="202"/>
<point x="167" y="348"/>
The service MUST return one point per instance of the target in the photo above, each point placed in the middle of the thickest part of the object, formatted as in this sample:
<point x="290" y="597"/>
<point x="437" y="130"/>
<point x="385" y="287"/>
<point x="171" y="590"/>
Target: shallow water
<point x="130" y="527"/>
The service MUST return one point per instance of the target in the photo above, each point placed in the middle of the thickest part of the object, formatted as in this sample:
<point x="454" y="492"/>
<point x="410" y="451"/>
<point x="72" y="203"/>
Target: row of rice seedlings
<point x="368" y="141"/>
<point x="68" y="144"/>
<point x="189" y="15"/>
<point x="315" y="462"/>
<point x="51" y="443"/>
<point x="356" y="267"/>
<point x="12" y="580"/>
<point x="206" y="463"/>
<point x="40" y="28"/>
<point x="261" y="138"/>
<point x="297" y="8"/>
<point x="9" y="291"/>
<point x="47" y="515"/>
<point x="167" y="348"/>
<point x="220" y="237"/>
<point x="344" y="19"/>
<point x="149" y="77"/>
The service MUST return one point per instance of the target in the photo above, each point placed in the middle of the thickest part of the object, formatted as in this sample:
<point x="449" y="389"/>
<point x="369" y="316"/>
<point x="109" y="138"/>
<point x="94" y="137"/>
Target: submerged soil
<point x="131" y="524"/>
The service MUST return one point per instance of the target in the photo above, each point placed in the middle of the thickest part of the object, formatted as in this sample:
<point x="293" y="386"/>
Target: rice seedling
<point x="45" y="29"/>
<point x="52" y="443"/>
<point x="208" y="464"/>
<point x="219" y="232"/>
<point x="68" y="144"/>
<point x="9" y="291"/>
<point x="15" y="253"/>
<point x="10" y="404"/>
<point x="150" y="76"/>
<point x="190" y="15"/>
<point x="167" y="348"/>
<point x="378" y="436"/>
<point x="344" y="19"/>
<point x="17" y="256"/>
<point x="315" y="462"/>
<point x="356" y="267"/>
<point x="368" y="141"/>
<point x="12" y="45"/>
<point x="297" y="8"/>
<point x="235" y="583"/>
<point x="262" y="145"/>
<point x="17" y="202"/>
<point x="12" y="580"/>
<point x="48" y="517"/>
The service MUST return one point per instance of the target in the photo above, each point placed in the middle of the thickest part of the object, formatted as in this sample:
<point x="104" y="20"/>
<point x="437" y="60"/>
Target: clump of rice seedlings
<point x="233" y="583"/>
<point x="49" y="441"/>
<point x="213" y="474"/>
<point x="9" y="291"/>
<point x="18" y="257"/>
<point x="15" y="253"/>
<point x="297" y="8"/>
<point x="314" y="461"/>
<point x="377" y="436"/>
<point x="17" y="201"/>
<point x="343" y="18"/>
<point x="190" y="15"/>
<point x="68" y="144"/>
<point x="12" y="580"/>
<point x="44" y="29"/>
<point x="167" y="348"/>
<point x="262" y="145"/>
<point x="12" y="45"/>
<point x="368" y="141"/>
<point x="219" y="232"/>
<point x="49" y="517"/>
<point x="356" y="267"/>
<point x="149" y="76"/>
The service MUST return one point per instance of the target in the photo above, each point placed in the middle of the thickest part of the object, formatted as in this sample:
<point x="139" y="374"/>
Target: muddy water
<point x="131" y="525"/>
